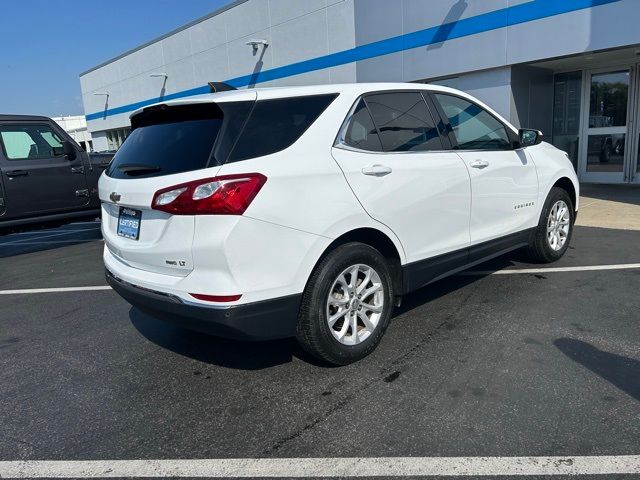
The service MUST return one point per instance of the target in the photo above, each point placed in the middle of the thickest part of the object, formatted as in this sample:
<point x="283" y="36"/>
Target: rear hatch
<point x="168" y="145"/>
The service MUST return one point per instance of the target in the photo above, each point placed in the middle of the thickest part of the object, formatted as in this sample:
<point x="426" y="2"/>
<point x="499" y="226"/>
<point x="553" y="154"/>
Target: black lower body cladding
<point x="264" y="320"/>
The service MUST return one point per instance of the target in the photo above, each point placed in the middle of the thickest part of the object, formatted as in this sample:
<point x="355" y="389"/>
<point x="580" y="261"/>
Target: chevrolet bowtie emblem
<point x="115" y="198"/>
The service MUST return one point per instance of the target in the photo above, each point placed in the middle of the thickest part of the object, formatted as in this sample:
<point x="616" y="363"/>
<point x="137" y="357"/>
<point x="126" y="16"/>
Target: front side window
<point x="277" y="124"/>
<point x="30" y="142"/>
<point x="404" y="122"/>
<point x="473" y="127"/>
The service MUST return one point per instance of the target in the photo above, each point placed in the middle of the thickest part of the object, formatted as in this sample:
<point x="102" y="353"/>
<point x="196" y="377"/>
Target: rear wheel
<point x="555" y="228"/>
<point x="346" y="305"/>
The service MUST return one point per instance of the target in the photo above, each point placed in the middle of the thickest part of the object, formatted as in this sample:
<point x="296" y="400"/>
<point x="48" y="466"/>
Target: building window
<point x="566" y="113"/>
<point x="116" y="137"/>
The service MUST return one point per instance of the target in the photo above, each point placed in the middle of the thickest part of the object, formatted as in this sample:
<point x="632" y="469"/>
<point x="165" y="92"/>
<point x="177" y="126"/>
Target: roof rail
<point x="220" y="87"/>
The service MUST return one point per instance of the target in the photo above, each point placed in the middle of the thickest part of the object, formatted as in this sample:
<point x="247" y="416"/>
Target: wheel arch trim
<point x="385" y="242"/>
<point x="561" y="179"/>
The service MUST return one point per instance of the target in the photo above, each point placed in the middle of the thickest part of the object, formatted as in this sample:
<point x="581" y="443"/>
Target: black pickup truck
<point x="44" y="174"/>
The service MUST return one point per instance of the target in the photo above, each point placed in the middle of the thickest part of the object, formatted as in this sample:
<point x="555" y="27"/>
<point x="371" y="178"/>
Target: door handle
<point x="377" y="170"/>
<point x="479" y="164"/>
<point x="77" y="169"/>
<point x="17" y="173"/>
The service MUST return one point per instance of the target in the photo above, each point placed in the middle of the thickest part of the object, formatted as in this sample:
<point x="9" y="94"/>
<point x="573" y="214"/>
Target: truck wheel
<point x="555" y="228"/>
<point x="346" y="305"/>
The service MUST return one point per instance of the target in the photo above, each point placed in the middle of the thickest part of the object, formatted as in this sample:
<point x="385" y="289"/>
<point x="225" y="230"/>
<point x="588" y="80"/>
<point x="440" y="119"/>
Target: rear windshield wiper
<point x="136" y="168"/>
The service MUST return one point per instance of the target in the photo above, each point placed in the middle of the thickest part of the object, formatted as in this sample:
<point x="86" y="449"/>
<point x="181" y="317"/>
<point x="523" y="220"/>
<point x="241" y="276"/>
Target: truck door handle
<point x="377" y="170"/>
<point x="479" y="164"/>
<point x="17" y="173"/>
<point x="77" y="169"/>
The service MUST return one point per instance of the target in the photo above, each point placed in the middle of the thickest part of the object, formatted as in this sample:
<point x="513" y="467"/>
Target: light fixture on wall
<point x="164" y="77"/>
<point x="106" y="102"/>
<point x="255" y="43"/>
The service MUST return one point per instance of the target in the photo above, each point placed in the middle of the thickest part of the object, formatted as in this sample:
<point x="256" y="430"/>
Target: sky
<point x="46" y="44"/>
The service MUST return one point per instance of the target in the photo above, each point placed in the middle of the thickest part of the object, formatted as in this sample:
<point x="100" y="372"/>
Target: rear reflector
<point x="224" y="195"/>
<point x="216" y="298"/>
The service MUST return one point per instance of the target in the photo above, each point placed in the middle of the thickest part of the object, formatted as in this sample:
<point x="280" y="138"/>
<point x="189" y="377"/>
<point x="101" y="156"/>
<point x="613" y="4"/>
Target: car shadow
<point x="260" y="355"/>
<point x="213" y="350"/>
<point x="621" y="371"/>
<point x="43" y="237"/>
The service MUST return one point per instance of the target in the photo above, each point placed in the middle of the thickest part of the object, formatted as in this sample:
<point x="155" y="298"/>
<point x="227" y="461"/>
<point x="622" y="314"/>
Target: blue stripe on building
<point x="514" y="15"/>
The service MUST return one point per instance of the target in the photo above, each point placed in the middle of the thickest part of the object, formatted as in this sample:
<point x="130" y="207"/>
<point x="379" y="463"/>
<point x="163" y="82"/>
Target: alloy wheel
<point x="558" y="225"/>
<point x="355" y="304"/>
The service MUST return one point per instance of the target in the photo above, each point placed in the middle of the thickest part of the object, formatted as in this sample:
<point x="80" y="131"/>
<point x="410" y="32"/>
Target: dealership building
<point x="570" y="68"/>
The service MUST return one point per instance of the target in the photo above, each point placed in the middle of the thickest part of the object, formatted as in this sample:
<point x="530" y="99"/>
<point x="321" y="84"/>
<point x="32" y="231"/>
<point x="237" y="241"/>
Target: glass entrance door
<point x="606" y="122"/>
<point x="634" y="147"/>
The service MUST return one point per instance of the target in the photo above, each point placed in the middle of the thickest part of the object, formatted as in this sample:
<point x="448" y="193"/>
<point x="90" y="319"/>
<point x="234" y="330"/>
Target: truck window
<point x="25" y="142"/>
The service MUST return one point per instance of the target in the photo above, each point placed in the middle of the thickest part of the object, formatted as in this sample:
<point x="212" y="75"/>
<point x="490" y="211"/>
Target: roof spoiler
<point x="220" y="87"/>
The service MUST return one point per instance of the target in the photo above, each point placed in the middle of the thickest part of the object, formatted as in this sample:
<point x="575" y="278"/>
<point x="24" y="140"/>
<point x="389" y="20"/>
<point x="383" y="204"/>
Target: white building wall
<point x="75" y="126"/>
<point x="611" y="25"/>
<point x="214" y="49"/>
<point x="100" y="143"/>
<point x="483" y="61"/>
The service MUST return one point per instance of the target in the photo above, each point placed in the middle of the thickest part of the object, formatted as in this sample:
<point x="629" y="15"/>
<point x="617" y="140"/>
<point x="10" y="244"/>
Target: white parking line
<point x="624" y="266"/>
<point x="587" y="268"/>
<point x="55" y="290"/>
<point x="325" y="467"/>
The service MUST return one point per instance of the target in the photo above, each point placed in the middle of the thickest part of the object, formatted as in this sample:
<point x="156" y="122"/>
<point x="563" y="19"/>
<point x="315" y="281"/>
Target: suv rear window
<point x="167" y="140"/>
<point x="277" y="124"/>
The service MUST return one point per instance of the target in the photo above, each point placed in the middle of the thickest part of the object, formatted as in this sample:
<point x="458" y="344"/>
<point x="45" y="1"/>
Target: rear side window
<point x="277" y="124"/>
<point x="167" y="140"/>
<point x="361" y="132"/>
<point x="30" y="142"/>
<point x="404" y="122"/>
<point x="473" y="127"/>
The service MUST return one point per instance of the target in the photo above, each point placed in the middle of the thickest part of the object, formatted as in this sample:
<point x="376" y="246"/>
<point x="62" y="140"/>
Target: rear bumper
<point x="263" y="320"/>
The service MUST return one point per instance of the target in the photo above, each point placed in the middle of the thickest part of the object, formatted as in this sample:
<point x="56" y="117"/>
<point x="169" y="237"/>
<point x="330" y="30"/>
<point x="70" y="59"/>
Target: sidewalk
<point x="609" y="206"/>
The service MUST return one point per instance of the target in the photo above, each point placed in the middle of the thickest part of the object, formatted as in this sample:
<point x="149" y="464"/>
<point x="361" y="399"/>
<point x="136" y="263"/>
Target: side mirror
<point x="68" y="150"/>
<point x="529" y="137"/>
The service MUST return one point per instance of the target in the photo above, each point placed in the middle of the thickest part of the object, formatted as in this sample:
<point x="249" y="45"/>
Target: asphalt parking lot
<point x="530" y="364"/>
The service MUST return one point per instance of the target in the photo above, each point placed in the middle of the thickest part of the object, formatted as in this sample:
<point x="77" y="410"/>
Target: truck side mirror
<point x="68" y="150"/>
<point x="529" y="137"/>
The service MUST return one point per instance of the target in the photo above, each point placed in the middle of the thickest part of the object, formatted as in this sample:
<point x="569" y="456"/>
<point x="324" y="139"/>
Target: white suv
<point x="310" y="211"/>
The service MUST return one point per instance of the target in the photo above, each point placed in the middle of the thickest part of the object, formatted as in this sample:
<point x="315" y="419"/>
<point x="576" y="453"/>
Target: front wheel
<point x="555" y="227"/>
<point x="346" y="305"/>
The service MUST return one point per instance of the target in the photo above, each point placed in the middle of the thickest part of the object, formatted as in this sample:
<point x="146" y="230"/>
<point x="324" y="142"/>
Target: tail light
<point x="224" y="195"/>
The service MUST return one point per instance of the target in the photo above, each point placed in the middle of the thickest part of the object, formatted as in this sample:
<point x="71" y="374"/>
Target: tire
<point x="543" y="248"/>
<point x="333" y="276"/>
